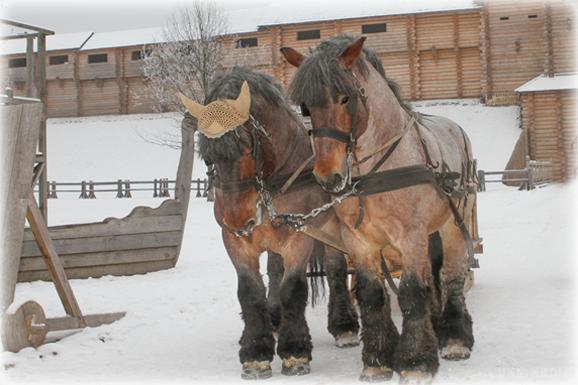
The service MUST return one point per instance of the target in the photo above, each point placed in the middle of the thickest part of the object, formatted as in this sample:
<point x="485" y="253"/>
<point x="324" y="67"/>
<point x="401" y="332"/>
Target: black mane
<point x="322" y="69"/>
<point x="265" y="93"/>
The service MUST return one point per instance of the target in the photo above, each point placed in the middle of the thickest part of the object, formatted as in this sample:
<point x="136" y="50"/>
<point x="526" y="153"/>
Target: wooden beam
<point x="485" y="58"/>
<point x="19" y="36"/>
<point x="548" y="56"/>
<point x="91" y="321"/>
<point x="458" y="56"/>
<point x="26" y="26"/>
<point x="412" y="57"/>
<point x="40" y="230"/>
<point x="30" y="81"/>
<point x="42" y="139"/>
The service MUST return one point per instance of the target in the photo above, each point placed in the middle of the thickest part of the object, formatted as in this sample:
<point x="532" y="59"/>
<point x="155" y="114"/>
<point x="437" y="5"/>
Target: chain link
<point x="297" y="221"/>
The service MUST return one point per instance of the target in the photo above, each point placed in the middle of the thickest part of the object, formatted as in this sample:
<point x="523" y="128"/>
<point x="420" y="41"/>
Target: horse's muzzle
<point x="334" y="183"/>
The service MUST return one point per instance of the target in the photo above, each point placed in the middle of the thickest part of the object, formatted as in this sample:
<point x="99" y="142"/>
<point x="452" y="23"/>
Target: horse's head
<point x="328" y="86"/>
<point x="234" y="145"/>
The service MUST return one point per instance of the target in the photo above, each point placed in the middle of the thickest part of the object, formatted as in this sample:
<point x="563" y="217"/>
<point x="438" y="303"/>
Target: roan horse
<point x="255" y="142"/>
<point x="411" y="176"/>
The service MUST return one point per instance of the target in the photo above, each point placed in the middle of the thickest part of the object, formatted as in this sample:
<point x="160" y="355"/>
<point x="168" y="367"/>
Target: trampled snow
<point x="183" y="325"/>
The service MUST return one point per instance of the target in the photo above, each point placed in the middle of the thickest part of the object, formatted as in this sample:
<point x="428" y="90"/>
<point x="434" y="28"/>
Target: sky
<point x="67" y="16"/>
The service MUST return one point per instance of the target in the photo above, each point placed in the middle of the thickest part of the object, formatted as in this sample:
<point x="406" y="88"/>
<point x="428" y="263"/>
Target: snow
<point x="550" y="83"/>
<point x="248" y="19"/>
<point x="183" y="325"/>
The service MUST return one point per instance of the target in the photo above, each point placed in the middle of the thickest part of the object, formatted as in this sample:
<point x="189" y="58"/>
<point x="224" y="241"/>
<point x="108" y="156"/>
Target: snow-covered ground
<point x="182" y="325"/>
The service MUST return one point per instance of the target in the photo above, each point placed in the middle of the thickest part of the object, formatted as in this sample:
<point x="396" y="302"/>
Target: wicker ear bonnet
<point x="220" y="116"/>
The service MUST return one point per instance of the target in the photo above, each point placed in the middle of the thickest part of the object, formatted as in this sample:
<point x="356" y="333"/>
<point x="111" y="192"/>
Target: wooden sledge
<point x="147" y="240"/>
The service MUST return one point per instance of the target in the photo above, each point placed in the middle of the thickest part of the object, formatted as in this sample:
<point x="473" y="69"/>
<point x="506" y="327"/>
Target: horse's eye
<point x="344" y="99"/>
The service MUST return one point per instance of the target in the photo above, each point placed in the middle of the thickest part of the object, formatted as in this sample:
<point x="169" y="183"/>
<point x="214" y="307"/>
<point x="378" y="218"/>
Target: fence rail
<point x="535" y="173"/>
<point x="160" y="188"/>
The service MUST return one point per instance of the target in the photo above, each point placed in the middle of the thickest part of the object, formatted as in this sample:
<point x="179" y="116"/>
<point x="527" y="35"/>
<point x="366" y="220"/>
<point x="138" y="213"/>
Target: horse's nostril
<point x="333" y="181"/>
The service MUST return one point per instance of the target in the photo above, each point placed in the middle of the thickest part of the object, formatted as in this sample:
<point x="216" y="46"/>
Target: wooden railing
<point x="535" y="173"/>
<point x="160" y="188"/>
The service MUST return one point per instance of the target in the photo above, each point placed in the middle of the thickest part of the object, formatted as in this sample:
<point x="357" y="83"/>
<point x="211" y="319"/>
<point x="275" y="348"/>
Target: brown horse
<point x="403" y="168"/>
<point x="255" y="142"/>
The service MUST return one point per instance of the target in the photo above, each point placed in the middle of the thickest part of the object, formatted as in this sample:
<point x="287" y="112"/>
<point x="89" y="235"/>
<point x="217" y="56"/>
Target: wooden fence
<point x="536" y="173"/>
<point x="160" y="188"/>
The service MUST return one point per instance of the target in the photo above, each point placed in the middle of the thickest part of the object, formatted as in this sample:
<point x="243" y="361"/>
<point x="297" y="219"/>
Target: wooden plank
<point x="113" y="226"/>
<point x="55" y="268"/>
<point x="103" y="258"/>
<point x="19" y="134"/>
<point x="100" y="271"/>
<point x="90" y="320"/>
<point x="42" y="147"/>
<point x="108" y="243"/>
<point x="30" y="67"/>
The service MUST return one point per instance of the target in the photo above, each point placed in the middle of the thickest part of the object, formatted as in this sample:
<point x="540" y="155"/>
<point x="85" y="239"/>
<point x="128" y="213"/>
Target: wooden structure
<point x="146" y="240"/>
<point x="28" y="325"/>
<point x="482" y="52"/>
<point x="35" y="76"/>
<point x="524" y="39"/>
<point x="548" y="120"/>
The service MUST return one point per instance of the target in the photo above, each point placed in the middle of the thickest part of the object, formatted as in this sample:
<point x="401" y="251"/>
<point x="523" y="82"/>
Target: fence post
<point x="52" y="190"/>
<point x="83" y="194"/>
<point x="155" y="193"/>
<point x="481" y="181"/>
<point x="127" y="193"/>
<point x="205" y="184"/>
<point x="165" y="187"/>
<point x="91" y="194"/>
<point x="119" y="193"/>
<point x="198" y="182"/>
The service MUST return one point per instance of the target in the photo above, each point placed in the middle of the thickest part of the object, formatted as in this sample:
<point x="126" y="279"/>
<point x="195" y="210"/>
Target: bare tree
<point x="189" y="57"/>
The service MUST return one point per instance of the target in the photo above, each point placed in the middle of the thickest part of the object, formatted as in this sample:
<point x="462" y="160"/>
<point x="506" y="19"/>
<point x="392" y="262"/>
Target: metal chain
<point x="297" y="221"/>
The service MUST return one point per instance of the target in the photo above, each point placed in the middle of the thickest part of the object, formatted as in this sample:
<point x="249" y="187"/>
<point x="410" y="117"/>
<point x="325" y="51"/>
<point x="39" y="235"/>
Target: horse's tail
<point x="317" y="272"/>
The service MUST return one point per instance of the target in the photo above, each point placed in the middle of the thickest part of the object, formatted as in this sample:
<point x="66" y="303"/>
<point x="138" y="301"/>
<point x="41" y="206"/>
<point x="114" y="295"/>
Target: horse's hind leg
<point x="294" y="344"/>
<point x="275" y="274"/>
<point x="342" y="317"/>
<point x="455" y="327"/>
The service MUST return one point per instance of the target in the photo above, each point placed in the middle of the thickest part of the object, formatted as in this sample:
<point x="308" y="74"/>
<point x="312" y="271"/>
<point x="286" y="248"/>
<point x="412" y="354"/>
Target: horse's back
<point x="451" y="139"/>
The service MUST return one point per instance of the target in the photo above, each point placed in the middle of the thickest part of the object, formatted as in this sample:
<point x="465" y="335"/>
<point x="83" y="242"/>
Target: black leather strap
<point x="332" y="133"/>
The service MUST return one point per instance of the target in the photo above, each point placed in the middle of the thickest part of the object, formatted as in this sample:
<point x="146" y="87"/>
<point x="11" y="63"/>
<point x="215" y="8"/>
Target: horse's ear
<point x="351" y="53"/>
<point x="292" y="56"/>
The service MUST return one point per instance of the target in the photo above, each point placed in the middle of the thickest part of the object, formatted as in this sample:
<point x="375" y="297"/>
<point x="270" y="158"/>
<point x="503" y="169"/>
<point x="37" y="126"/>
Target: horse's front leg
<point x="416" y="354"/>
<point x="275" y="274"/>
<point x="342" y="317"/>
<point x="379" y="334"/>
<point x="257" y="342"/>
<point x="294" y="344"/>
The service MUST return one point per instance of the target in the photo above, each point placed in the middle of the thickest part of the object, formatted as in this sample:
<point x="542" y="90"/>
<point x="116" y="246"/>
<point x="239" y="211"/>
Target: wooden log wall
<point x="482" y="52"/>
<point x="549" y="120"/>
<point x="525" y="39"/>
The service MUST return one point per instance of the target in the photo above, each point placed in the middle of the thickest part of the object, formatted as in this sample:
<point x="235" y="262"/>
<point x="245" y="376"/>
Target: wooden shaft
<point x="40" y="231"/>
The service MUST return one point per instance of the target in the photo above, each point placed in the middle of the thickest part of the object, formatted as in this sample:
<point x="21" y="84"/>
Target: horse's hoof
<point x="347" y="340"/>
<point x="295" y="366"/>
<point x="415" y="377"/>
<point x="455" y="351"/>
<point x="256" y="370"/>
<point x="376" y="374"/>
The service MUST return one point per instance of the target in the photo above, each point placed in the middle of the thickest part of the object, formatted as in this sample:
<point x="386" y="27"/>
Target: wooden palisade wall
<point x="526" y="38"/>
<point x="484" y="52"/>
